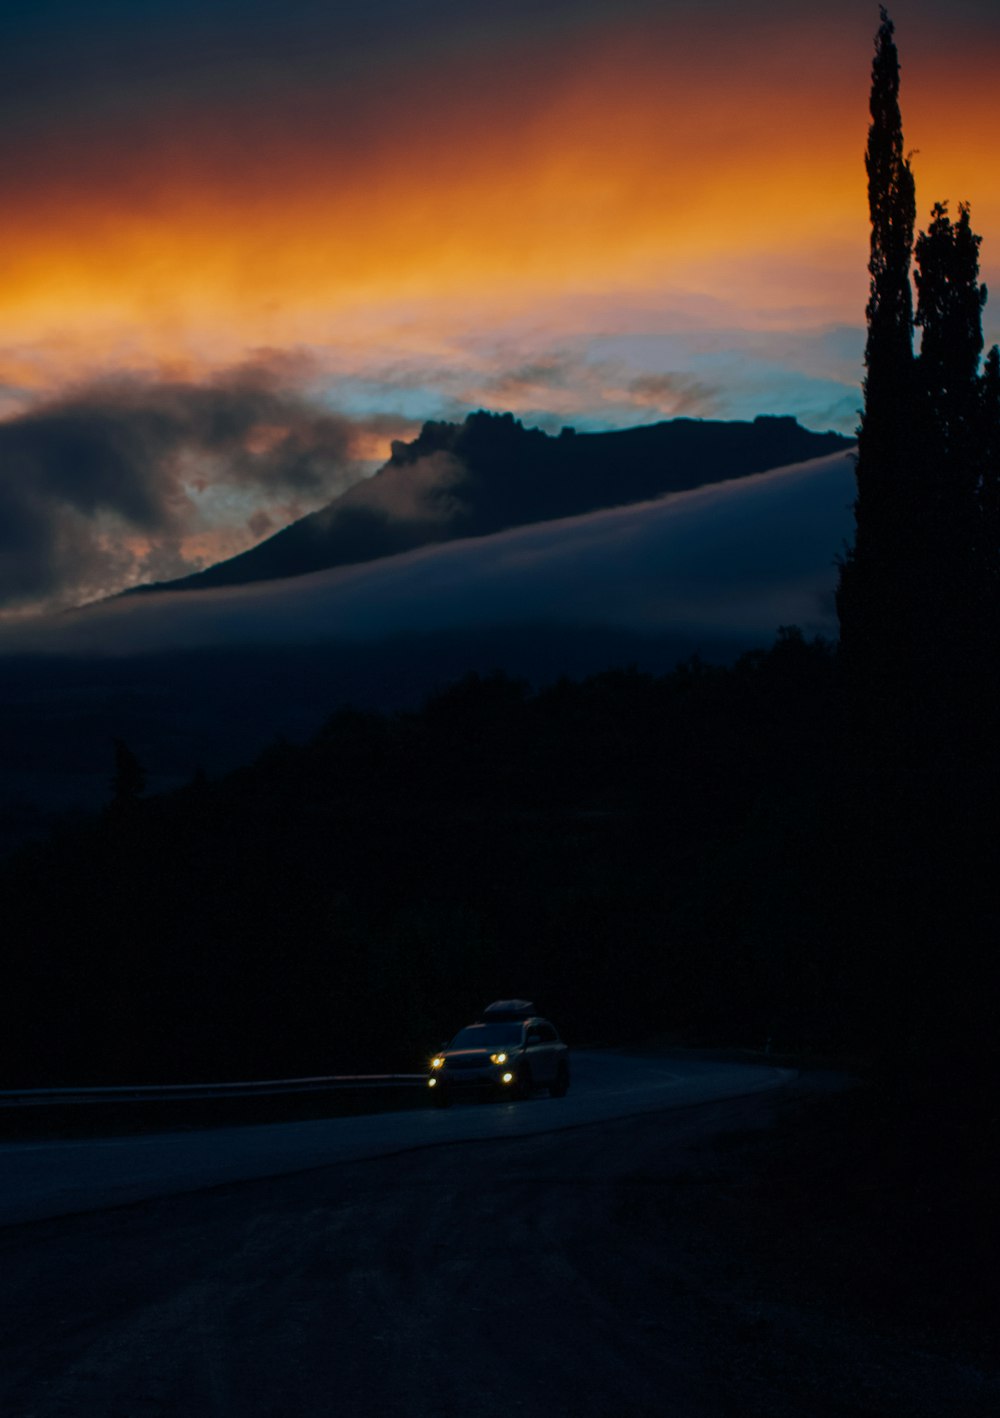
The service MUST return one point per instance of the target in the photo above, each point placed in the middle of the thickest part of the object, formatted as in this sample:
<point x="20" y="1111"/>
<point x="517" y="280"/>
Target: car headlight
<point x="507" y="1078"/>
<point x="437" y="1061"/>
<point x="498" y="1058"/>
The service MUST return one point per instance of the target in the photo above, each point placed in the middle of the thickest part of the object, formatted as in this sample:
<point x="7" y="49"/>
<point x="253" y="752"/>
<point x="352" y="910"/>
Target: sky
<point x="246" y="244"/>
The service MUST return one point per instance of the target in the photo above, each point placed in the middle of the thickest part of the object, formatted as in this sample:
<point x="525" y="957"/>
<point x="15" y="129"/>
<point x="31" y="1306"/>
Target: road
<point x="593" y="1256"/>
<point x="46" y="1179"/>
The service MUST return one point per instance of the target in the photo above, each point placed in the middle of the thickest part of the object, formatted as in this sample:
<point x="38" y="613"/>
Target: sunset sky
<point x="334" y="223"/>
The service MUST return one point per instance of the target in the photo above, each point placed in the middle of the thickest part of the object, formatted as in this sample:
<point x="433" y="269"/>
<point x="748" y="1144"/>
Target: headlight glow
<point x="437" y="1062"/>
<point x="432" y="1083"/>
<point x="508" y="1078"/>
<point x="498" y="1058"/>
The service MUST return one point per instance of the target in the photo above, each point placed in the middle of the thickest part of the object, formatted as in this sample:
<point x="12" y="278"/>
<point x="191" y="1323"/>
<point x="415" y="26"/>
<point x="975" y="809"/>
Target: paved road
<point x="48" y="1179"/>
<point x="635" y="1267"/>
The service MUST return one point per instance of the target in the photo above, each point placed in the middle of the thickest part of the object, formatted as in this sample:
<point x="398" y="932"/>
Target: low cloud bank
<point x="725" y="564"/>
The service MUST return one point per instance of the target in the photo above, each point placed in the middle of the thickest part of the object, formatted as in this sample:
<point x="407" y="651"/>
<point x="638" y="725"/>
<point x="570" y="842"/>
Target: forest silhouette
<point x="795" y="853"/>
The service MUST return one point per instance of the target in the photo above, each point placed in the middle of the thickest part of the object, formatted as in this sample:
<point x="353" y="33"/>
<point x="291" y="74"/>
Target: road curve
<point x="40" y="1180"/>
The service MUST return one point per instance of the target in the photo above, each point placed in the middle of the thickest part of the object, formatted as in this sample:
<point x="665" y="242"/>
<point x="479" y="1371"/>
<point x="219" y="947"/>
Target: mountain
<point x="490" y="473"/>
<point x="209" y="678"/>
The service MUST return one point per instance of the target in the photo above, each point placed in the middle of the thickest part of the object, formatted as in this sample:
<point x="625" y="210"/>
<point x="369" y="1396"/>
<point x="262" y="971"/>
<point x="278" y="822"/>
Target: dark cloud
<point x="676" y="393"/>
<point x="111" y="480"/>
<point x="559" y="370"/>
<point x="570" y="384"/>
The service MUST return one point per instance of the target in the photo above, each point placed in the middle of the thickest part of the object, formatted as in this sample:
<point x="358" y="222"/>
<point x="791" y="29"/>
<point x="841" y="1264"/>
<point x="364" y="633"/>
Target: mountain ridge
<point x="490" y="473"/>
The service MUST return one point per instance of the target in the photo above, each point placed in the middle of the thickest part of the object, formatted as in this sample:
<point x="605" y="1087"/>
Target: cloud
<point x="676" y="393"/>
<point x="128" y="477"/>
<point x="724" y="564"/>
<point x="566" y="383"/>
<point x="418" y="491"/>
<point x="525" y="383"/>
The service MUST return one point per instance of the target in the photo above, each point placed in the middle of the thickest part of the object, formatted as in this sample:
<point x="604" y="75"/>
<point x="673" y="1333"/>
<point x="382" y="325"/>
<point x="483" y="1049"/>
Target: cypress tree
<point x="949" y="311"/>
<point x="869" y="599"/>
<point x="954" y="576"/>
<point x="892" y="208"/>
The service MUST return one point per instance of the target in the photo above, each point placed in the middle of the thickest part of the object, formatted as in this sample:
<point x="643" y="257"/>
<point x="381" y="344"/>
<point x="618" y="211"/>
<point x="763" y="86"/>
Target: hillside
<point x="708" y="853"/>
<point x="490" y="473"/>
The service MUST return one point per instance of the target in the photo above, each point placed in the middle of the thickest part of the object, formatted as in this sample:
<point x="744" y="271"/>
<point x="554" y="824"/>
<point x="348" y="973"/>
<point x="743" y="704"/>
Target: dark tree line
<point x="635" y="852"/>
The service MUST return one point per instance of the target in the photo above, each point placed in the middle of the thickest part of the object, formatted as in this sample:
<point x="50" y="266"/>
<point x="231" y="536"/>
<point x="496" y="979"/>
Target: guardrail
<point x="179" y="1092"/>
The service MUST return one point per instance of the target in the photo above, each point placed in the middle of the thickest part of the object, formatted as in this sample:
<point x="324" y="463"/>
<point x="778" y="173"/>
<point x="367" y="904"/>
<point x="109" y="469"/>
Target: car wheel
<point x="525" y="1083"/>
<point x="559" y="1088"/>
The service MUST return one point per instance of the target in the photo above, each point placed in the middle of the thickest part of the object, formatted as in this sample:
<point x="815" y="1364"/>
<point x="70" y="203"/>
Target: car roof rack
<point x="503" y="1011"/>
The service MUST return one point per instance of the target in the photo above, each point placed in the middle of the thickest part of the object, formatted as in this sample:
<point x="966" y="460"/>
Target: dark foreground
<point x="733" y="1258"/>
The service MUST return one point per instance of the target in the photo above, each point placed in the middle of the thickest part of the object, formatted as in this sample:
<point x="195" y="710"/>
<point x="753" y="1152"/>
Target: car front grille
<point x="468" y="1061"/>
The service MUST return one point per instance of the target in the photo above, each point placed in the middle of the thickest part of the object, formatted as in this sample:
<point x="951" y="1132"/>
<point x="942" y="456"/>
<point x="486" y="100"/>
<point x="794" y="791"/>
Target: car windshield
<point x="486" y="1036"/>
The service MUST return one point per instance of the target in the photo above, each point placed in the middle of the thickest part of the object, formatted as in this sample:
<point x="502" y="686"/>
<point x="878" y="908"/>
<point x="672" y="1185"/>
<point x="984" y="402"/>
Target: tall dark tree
<point x="917" y="595"/>
<point x="892" y="207"/>
<point x="869" y="598"/>
<point x="129" y="781"/>
<point x="949" y="312"/>
<point x="951" y="454"/>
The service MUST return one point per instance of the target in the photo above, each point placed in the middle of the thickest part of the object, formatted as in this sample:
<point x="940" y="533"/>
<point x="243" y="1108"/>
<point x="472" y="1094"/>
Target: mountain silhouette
<point x="490" y="473"/>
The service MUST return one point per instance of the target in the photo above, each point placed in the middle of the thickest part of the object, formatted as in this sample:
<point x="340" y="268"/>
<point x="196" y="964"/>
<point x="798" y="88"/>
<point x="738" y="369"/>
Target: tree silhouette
<point x="917" y="597"/>
<point x="868" y="598"/>
<point x="949" y="310"/>
<point x="949" y="313"/>
<point x="129" y="780"/>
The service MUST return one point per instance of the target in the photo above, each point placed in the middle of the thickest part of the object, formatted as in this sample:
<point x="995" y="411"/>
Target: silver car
<point x="509" y="1052"/>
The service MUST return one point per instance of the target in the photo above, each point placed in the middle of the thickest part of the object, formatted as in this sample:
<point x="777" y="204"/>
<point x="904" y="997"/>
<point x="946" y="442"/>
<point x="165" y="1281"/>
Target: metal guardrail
<point x="169" y="1092"/>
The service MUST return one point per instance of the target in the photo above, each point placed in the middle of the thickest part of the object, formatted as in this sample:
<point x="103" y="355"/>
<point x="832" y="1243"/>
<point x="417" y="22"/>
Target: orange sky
<point x="214" y="225"/>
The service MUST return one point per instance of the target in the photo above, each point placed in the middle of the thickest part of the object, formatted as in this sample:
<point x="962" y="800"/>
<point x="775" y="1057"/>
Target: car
<point x="508" y="1052"/>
